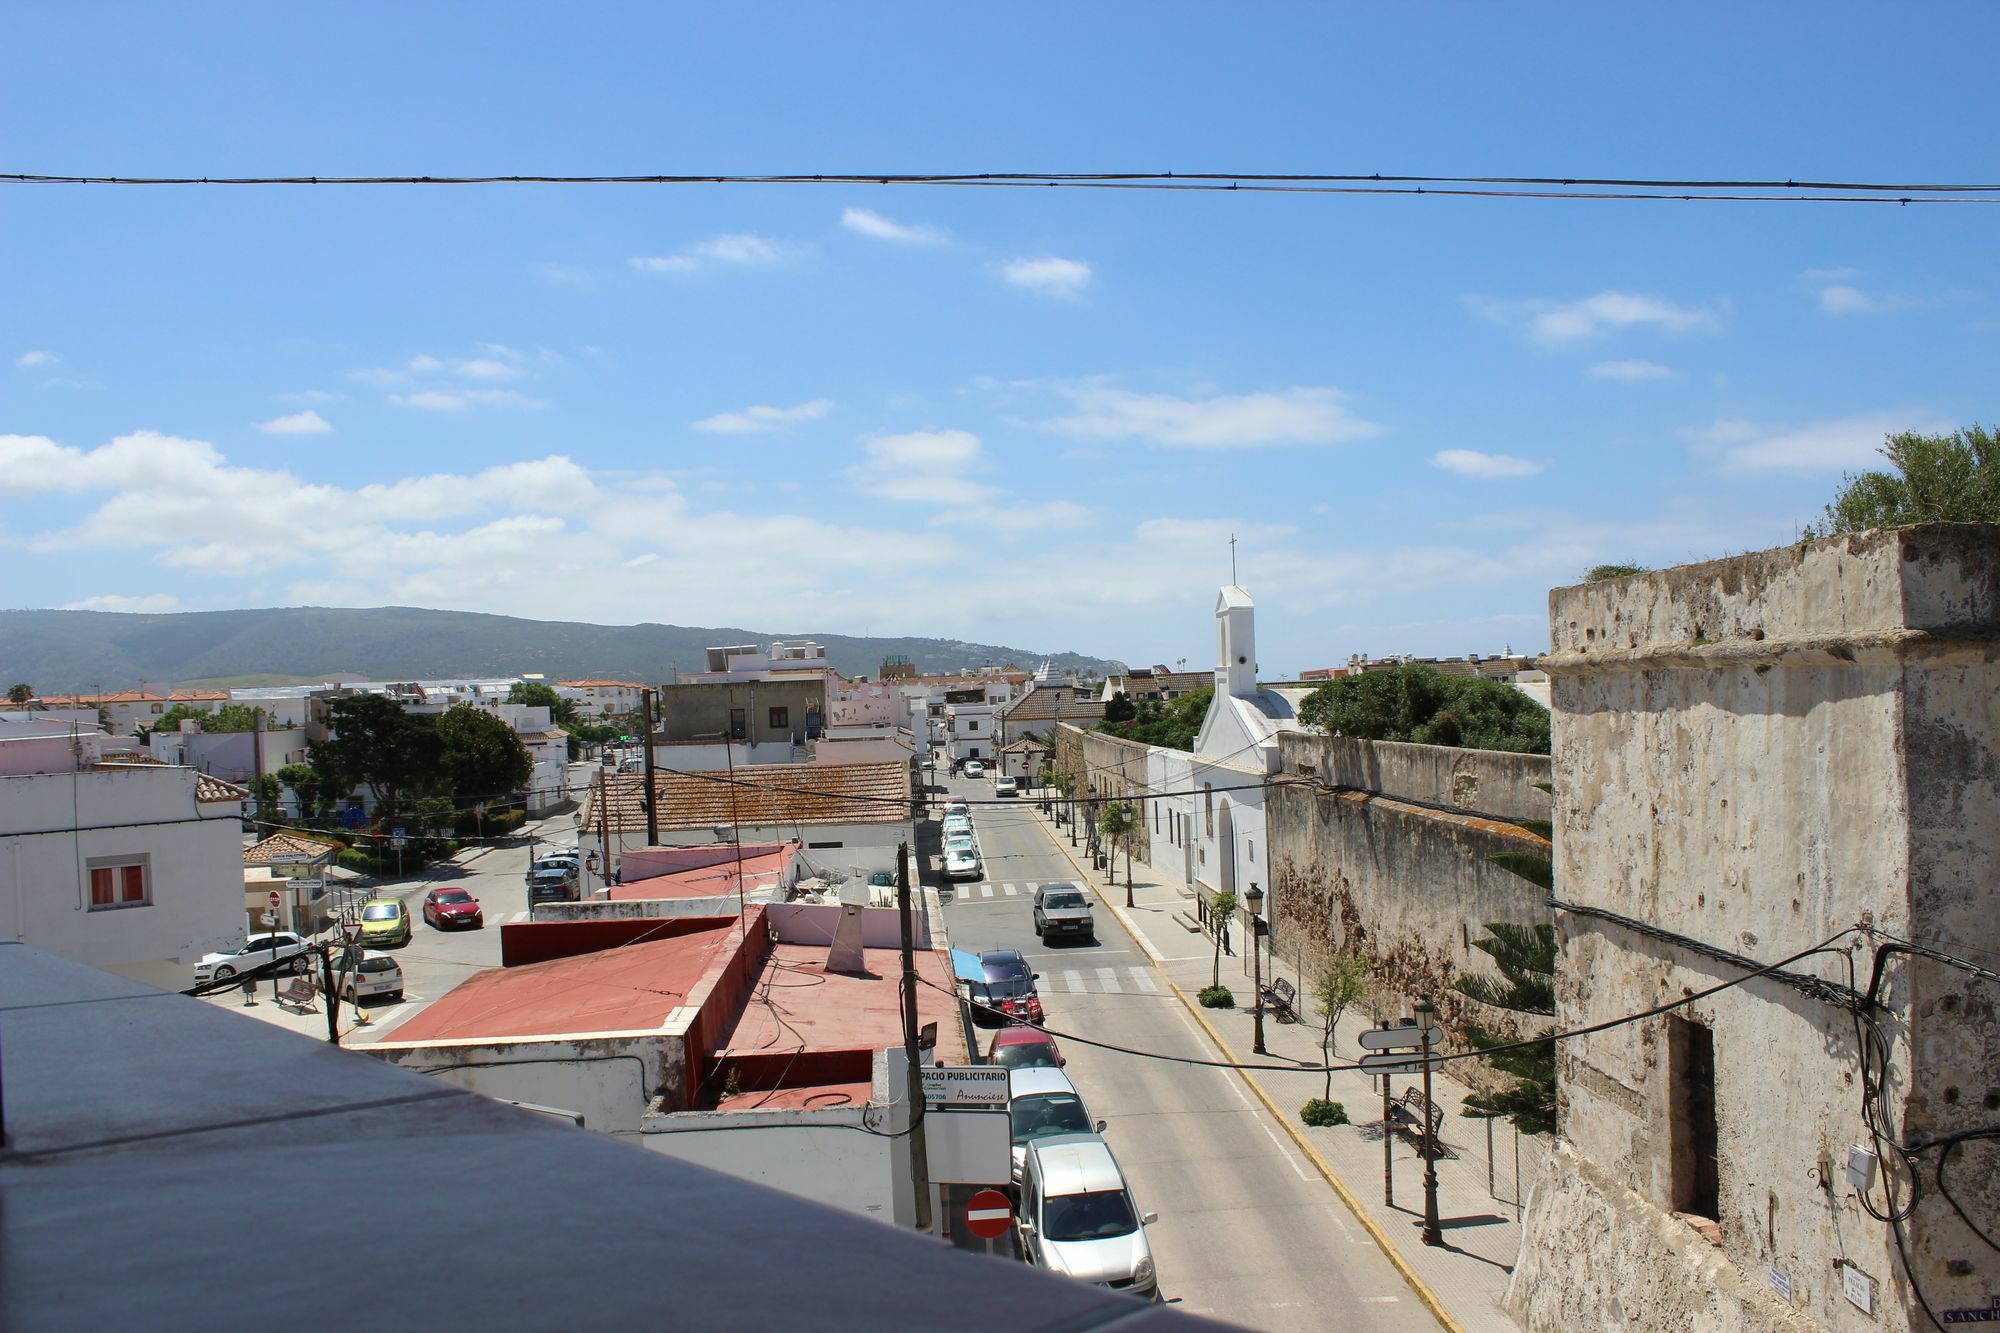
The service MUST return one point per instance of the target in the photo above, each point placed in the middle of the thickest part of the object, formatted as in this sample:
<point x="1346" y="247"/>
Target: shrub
<point x="1216" y="997"/>
<point x="1319" y="1113"/>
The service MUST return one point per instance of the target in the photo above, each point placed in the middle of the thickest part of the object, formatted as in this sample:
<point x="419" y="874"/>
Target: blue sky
<point x="1025" y="416"/>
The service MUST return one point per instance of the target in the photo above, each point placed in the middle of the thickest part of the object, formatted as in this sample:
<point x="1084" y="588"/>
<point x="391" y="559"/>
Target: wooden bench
<point x="299" y="993"/>
<point x="1282" y="999"/>
<point x="1408" y="1112"/>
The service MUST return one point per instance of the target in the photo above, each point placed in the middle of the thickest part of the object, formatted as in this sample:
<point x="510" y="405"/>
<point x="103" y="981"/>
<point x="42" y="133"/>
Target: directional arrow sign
<point x="1398" y="1062"/>
<point x="1389" y="1039"/>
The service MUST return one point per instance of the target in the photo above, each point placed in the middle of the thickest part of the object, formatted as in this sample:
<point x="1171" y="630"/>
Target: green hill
<point x="60" y="651"/>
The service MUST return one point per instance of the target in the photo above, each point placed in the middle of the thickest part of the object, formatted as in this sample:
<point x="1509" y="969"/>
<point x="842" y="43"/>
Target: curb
<point x="1313" y="1155"/>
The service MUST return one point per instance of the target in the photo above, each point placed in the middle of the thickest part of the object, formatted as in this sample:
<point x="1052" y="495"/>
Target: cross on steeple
<point x="1232" y="557"/>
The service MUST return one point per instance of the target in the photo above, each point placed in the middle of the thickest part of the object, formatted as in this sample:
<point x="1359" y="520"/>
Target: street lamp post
<point x="1253" y="903"/>
<point x="1432" y="1233"/>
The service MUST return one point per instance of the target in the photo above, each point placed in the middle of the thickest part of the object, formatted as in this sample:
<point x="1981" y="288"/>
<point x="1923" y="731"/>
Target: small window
<point x="159" y="708"/>
<point x="1250" y="845"/>
<point x="972" y="727"/>
<point x="119" y="884"/>
<point x="1695" y="1160"/>
<point x="781" y="719"/>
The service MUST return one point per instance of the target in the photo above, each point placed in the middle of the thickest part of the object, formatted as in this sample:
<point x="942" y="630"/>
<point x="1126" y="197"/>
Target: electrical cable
<point x="1372" y="183"/>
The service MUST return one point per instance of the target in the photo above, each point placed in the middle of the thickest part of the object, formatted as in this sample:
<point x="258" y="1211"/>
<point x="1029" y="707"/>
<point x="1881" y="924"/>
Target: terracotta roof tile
<point x="765" y="795"/>
<point x="286" y="844"/>
<point x="207" y="788"/>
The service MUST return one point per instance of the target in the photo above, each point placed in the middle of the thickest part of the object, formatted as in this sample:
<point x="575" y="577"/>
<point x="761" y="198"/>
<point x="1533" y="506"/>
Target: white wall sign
<point x="1780" y="1282"/>
<point x="969" y="1147"/>
<point x="1858" y="1287"/>
<point x="966" y="1085"/>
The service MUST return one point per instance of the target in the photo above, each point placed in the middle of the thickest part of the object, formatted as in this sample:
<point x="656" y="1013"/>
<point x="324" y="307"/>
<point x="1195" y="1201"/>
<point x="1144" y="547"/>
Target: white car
<point x="1078" y="1217"/>
<point x="1042" y="1102"/>
<point x="954" y="841"/>
<point x="257" y="954"/>
<point x="961" y="863"/>
<point x="379" y="974"/>
<point x="1005" y="787"/>
<point x="957" y="824"/>
<point x="974" y="769"/>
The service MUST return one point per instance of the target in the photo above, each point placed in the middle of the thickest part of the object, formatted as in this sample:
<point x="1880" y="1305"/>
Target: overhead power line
<point x="1611" y="188"/>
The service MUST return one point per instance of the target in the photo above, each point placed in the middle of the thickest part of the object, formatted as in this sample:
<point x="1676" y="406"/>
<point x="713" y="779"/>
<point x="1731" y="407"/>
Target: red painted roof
<point x="832" y="1011"/>
<point x="627" y="989"/>
<point x="712" y="881"/>
<point x="808" y="1097"/>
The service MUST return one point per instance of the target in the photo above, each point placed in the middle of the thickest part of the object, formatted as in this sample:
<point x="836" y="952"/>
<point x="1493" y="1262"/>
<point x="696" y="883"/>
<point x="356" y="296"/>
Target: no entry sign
<point x="988" y="1214"/>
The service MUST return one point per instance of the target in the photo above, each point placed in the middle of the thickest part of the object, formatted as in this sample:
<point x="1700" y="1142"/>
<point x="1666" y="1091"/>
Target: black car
<point x="1008" y="991"/>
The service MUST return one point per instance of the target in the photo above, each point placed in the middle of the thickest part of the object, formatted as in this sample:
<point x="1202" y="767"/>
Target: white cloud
<point x="313" y="397"/>
<point x="1293" y="416"/>
<point x="307" y="422"/>
<point x="1834" y="290"/>
<point x="37" y="359"/>
<point x="485" y="368"/>
<point x="870" y="223"/>
<point x="1594" y="316"/>
<point x="923" y="467"/>
<point x="1013" y="521"/>
<point x="1830" y="274"/>
<point x="762" y="418"/>
<point x="457" y="400"/>
<point x="1472" y="463"/>
<point x="1839" y="444"/>
<point x="1630" y="371"/>
<point x="1064" y="279"/>
<point x="642" y="560"/>
<point x="151" y="604"/>
<point x="734" y="249"/>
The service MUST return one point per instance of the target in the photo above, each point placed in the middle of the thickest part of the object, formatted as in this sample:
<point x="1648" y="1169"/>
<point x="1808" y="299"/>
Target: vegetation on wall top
<point x="1420" y="704"/>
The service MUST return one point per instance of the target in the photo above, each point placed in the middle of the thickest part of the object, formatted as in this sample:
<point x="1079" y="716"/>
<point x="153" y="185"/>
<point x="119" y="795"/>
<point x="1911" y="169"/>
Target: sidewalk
<point x="1462" y="1281"/>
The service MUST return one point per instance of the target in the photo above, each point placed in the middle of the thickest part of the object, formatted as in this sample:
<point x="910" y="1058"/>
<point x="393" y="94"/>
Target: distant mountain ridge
<point x="61" y="651"/>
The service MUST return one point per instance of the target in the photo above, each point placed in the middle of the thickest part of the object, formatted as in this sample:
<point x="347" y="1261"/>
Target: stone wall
<point x="1487" y="782"/>
<point x="1406" y="886"/>
<point x="1753" y="756"/>
<point x="1115" y="768"/>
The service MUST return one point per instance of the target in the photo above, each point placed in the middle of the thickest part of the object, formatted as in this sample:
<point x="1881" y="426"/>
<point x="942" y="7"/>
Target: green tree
<point x="1221" y="907"/>
<point x="20" y="694"/>
<point x="1417" y="703"/>
<point x="375" y="744"/>
<point x="226" y="719"/>
<point x="1115" y="824"/>
<point x="1526" y="957"/>
<point x="304" y="781"/>
<point x="1600" y="573"/>
<point x="1121" y="708"/>
<point x="1173" y="725"/>
<point x="268" y="793"/>
<point x="1951" y="478"/>
<point x="479" y="755"/>
<point x="563" y="713"/>
<point x="1341" y="983"/>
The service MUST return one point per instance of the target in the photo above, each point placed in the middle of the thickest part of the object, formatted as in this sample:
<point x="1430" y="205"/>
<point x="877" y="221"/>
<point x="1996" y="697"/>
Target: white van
<point x="1077" y="1217"/>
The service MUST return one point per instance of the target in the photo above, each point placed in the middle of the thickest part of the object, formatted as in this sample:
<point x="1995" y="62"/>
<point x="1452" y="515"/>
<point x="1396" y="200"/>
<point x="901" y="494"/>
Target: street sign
<point x="269" y="918"/>
<point x="988" y="1214"/>
<point x="308" y="885"/>
<point x="275" y="899"/>
<point x="290" y="864"/>
<point x="1396" y="1062"/>
<point x="396" y="842"/>
<point x="966" y="1085"/>
<point x="1388" y="1039"/>
<point x="396" y="832"/>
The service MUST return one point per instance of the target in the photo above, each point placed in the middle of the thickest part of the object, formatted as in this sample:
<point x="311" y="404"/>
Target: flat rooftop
<point x="631" y="988"/>
<point x="712" y="881"/>
<point x="795" y="1004"/>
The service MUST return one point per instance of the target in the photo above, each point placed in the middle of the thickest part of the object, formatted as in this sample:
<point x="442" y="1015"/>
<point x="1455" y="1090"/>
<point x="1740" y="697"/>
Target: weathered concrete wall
<point x="1758" y="754"/>
<point x="1406" y="887"/>
<point x="1112" y="769"/>
<point x="1488" y="782"/>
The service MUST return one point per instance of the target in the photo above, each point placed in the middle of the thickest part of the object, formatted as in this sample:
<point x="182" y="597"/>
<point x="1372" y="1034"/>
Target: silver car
<point x="1077" y="1217"/>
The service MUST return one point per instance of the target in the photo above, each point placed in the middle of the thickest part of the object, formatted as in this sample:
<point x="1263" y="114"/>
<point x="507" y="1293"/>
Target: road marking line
<point x="1144" y="980"/>
<point x="1380" y="1300"/>
<point x="986" y="890"/>
<point x="1109" y="979"/>
<point x="1009" y="889"/>
<point x="518" y="917"/>
<point x="1074" y="980"/>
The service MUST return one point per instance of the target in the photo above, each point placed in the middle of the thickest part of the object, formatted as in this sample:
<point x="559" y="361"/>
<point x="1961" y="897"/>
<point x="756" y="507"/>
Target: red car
<point x="451" y="906"/>
<point x="1024" y="1048"/>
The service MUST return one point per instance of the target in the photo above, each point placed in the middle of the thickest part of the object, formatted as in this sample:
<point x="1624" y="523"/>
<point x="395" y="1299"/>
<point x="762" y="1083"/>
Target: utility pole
<point x="920" y="1166"/>
<point x="652" y="816"/>
<point x="604" y="827"/>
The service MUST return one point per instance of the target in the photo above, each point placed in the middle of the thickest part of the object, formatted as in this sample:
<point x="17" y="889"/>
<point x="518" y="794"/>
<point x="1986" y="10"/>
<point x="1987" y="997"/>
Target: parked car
<point x="957" y="803"/>
<point x="1077" y="1216"/>
<point x="1020" y="1047"/>
<point x="1006" y="787"/>
<point x="449" y="905"/>
<point x="1061" y="909"/>
<point x="1042" y="1103"/>
<point x="554" y="884"/>
<point x="376" y="974"/>
<point x="259" y="953"/>
<point x="560" y="859"/>
<point x="960" y="842"/>
<point x="1007" y="991"/>
<point x="385" y="921"/>
<point x="974" y="769"/>
<point x="961" y="863"/>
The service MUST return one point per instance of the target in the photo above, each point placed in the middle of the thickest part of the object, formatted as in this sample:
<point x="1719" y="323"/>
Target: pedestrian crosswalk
<point x="1106" y="981"/>
<point x="1003" y="888"/>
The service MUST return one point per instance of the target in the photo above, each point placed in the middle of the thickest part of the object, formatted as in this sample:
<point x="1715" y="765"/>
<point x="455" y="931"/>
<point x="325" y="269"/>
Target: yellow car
<point x="384" y="921"/>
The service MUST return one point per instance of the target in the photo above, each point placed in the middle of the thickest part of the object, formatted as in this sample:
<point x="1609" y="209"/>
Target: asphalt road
<point x="1248" y="1231"/>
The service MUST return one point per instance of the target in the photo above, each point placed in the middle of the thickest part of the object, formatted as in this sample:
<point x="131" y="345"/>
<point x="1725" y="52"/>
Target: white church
<point x="1210" y="836"/>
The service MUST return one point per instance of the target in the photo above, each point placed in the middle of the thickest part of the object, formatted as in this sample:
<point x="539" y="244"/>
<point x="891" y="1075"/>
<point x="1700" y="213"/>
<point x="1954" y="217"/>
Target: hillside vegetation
<point x="66" y="650"/>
